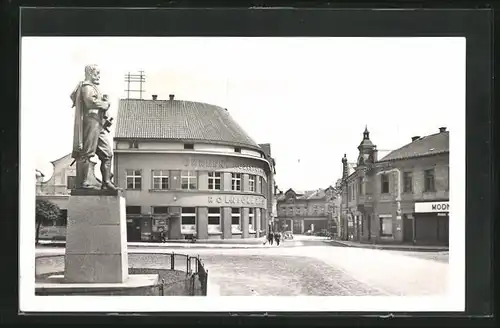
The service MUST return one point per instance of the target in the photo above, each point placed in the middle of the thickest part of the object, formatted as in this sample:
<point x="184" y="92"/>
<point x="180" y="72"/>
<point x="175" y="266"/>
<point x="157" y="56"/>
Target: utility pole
<point x="135" y="78"/>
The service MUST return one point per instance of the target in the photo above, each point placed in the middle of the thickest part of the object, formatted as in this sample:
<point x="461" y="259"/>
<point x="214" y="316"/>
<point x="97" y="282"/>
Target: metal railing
<point x="193" y="283"/>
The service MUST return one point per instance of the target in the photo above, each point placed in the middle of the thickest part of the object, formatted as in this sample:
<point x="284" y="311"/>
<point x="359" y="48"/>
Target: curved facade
<point x="188" y="169"/>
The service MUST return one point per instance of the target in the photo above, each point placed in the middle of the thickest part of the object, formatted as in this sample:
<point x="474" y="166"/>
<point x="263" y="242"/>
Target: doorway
<point x="133" y="229"/>
<point x="407" y="229"/>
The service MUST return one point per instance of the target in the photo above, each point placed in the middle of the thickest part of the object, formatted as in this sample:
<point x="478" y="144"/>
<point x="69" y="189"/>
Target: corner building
<point x="401" y="198"/>
<point x="189" y="169"/>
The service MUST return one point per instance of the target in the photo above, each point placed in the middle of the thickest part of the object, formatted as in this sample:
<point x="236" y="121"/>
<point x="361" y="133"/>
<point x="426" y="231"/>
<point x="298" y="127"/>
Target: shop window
<point x="160" y="179"/>
<point x="160" y="210"/>
<point x="251" y="219"/>
<point x="384" y="181"/>
<point x="213" y="219"/>
<point x="189" y="180"/>
<point x="408" y="182"/>
<point x="134" y="179"/>
<point x="429" y="183"/>
<point x="188" y="219"/>
<point x="235" y="181"/>
<point x="214" y="181"/>
<point x="235" y="219"/>
<point x="133" y="210"/>
<point x="386" y="227"/>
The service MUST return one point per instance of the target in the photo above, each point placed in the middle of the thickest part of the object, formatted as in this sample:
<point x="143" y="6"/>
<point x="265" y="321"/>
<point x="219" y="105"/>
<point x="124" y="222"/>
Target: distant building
<point x="57" y="190"/>
<point x="189" y="169"/>
<point x="404" y="197"/>
<point x="301" y="211"/>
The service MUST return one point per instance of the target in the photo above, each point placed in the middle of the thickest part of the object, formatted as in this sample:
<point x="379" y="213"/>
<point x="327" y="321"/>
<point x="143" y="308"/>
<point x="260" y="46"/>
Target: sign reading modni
<point x="432" y="207"/>
<point x="237" y="199"/>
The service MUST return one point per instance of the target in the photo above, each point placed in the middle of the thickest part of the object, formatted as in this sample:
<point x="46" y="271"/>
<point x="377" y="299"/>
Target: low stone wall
<point x="174" y="282"/>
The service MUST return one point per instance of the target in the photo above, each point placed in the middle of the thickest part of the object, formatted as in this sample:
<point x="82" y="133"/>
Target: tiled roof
<point x="306" y="195"/>
<point x="425" y="146"/>
<point x="179" y="120"/>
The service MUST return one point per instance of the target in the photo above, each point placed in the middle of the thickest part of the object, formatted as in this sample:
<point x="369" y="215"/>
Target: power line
<point x="135" y="78"/>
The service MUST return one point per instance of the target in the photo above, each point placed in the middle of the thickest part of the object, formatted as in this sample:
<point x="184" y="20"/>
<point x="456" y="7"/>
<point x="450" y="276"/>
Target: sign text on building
<point x="237" y="199"/>
<point x="432" y="207"/>
<point x="220" y="164"/>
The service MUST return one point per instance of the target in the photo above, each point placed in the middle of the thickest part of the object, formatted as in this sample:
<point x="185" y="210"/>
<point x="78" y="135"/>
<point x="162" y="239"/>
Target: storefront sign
<point x="218" y="164"/>
<point x="237" y="199"/>
<point x="432" y="207"/>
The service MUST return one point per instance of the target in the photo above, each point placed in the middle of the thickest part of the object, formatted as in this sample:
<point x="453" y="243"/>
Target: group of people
<point x="274" y="236"/>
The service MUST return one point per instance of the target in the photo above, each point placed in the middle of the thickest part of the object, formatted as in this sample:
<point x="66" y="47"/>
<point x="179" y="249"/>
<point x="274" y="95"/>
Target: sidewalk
<point x="200" y="243"/>
<point x="394" y="247"/>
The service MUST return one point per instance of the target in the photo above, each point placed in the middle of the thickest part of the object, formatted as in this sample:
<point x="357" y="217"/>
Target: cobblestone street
<point x="269" y="275"/>
<point x="313" y="269"/>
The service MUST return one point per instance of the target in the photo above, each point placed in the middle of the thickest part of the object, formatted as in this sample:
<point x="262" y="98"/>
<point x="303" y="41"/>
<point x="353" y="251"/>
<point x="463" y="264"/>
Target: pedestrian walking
<point x="277" y="237"/>
<point x="270" y="238"/>
<point x="163" y="238"/>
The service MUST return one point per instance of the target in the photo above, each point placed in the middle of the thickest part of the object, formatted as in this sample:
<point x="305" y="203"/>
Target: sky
<point x="310" y="98"/>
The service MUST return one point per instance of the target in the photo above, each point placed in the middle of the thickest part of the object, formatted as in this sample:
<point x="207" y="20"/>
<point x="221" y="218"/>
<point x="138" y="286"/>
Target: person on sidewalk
<point x="163" y="238"/>
<point x="270" y="238"/>
<point x="277" y="238"/>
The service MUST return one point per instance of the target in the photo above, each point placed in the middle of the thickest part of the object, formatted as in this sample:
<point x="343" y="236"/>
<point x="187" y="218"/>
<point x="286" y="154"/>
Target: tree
<point x="45" y="212"/>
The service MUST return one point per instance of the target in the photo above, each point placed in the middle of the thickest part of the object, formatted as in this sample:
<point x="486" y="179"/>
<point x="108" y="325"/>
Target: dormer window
<point x="188" y="146"/>
<point x="134" y="144"/>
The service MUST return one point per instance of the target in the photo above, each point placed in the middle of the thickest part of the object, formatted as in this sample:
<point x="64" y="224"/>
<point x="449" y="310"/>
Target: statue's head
<point x="92" y="74"/>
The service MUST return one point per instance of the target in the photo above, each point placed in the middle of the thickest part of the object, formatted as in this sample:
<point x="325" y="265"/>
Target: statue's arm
<point x="91" y="99"/>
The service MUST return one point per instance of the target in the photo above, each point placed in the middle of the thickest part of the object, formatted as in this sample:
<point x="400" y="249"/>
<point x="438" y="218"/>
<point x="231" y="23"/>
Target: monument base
<point x="96" y="237"/>
<point x="136" y="284"/>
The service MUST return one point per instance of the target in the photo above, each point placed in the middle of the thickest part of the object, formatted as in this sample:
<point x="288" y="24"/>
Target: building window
<point x="251" y="183"/>
<point x="261" y="183"/>
<point x="213" y="219"/>
<point x="188" y="146"/>
<point x="160" y="179"/>
<point x="360" y="186"/>
<point x="251" y="219"/>
<point x="160" y="209"/>
<point x="188" y="219"/>
<point x="71" y="182"/>
<point x="386" y="226"/>
<point x="214" y="180"/>
<point x="133" y="210"/>
<point x="384" y="181"/>
<point x="235" y="181"/>
<point x="429" y="180"/>
<point x="235" y="219"/>
<point x="188" y="180"/>
<point x="237" y="150"/>
<point x="134" y="179"/>
<point x="407" y="181"/>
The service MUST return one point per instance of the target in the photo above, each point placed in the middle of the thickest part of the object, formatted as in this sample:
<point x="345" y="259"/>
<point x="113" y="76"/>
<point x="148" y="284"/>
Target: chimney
<point x="442" y="129"/>
<point x="415" y="138"/>
<point x="155" y="97"/>
<point x="171" y="97"/>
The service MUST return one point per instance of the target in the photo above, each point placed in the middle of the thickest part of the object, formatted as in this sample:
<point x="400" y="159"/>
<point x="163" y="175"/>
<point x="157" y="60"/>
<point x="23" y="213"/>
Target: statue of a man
<point x="90" y="137"/>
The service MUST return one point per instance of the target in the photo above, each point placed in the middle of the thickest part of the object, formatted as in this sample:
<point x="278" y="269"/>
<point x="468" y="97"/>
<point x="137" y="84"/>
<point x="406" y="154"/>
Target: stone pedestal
<point x="96" y="238"/>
